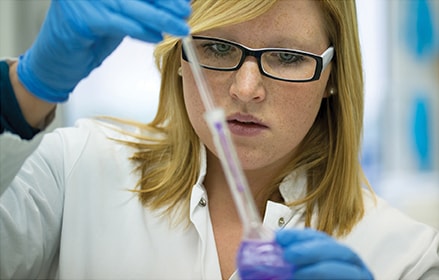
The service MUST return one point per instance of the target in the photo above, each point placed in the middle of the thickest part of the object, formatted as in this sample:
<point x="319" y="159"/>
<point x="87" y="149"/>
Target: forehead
<point x="289" y="23"/>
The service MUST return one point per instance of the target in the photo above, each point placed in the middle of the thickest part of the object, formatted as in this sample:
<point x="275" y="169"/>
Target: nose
<point x="247" y="85"/>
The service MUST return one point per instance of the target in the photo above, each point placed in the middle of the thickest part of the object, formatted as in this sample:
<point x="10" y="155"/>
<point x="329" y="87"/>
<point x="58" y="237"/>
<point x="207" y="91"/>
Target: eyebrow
<point x="283" y="42"/>
<point x="274" y="47"/>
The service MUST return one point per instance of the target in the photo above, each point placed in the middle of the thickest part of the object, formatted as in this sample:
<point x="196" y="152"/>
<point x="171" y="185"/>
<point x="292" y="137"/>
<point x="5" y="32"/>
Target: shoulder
<point x="385" y="220"/>
<point x="379" y="212"/>
<point x="391" y="243"/>
<point x="98" y="128"/>
<point x="88" y="140"/>
<point x="95" y="131"/>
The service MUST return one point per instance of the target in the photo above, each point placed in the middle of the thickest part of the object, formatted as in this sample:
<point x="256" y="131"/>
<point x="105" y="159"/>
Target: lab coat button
<point x="202" y="202"/>
<point x="281" y="222"/>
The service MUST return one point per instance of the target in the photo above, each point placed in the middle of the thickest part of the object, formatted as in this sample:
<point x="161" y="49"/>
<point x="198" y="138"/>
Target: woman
<point x="292" y="93"/>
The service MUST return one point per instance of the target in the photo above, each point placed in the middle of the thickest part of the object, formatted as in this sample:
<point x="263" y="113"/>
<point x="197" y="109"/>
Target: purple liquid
<point x="262" y="260"/>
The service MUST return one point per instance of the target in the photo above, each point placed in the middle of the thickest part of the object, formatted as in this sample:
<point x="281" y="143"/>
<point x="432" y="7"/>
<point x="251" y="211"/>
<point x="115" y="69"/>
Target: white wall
<point x="125" y="86"/>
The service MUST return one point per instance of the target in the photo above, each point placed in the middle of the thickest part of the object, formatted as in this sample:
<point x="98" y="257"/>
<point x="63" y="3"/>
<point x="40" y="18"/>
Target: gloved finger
<point x="288" y="236"/>
<point x="94" y="20"/>
<point x="320" y="250"/>
<point x="308" y="246"/>
<point x="153" y="18"/>
<point x="137" y="19"/>
<point x="332" y="270"/>
<point x="179" y="8"/>
<point x="121" y="26"/>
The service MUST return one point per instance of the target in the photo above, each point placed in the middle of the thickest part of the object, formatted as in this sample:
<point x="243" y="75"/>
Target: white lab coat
<point x="69" y="214"/>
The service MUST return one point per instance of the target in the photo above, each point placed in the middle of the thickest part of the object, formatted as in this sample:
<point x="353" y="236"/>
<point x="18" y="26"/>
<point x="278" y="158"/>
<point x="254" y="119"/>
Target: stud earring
<point x="179" y="71"/>
<point x="332" y="91"/>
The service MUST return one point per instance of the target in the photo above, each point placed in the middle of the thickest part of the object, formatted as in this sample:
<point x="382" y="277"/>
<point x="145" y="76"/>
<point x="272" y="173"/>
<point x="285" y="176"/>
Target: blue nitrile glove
<point x="316" y="255"/>
<point x="77" y="35"/>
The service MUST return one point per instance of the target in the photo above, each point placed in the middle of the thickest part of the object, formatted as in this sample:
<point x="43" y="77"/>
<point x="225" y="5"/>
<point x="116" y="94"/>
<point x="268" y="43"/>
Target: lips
<point x="245" y="125"/>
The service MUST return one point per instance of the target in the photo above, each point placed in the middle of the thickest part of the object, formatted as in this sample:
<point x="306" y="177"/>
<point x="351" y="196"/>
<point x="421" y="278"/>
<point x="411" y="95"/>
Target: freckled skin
<point x="288" y="109"/>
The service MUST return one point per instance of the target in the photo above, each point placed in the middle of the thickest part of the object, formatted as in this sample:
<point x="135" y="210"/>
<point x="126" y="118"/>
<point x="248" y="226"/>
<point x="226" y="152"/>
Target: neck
<point x="217" y="187"/>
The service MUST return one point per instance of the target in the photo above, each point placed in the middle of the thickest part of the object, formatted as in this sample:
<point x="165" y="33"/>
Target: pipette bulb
<point x="262" y="260"/>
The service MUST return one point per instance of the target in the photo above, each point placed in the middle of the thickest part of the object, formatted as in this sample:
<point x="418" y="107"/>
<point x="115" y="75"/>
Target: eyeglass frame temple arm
<point x="327" y="57"/>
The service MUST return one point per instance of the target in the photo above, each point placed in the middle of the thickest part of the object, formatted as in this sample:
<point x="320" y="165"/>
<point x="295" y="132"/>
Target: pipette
<point x="259" y="256"/>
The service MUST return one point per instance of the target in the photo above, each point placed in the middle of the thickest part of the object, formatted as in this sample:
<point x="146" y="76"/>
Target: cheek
<point x="192" y="100"/>
<point x="194" y="105"/>
<point x="308" y="98"/>
<point x="298" y="114"/>
<point x="303" y="110"/>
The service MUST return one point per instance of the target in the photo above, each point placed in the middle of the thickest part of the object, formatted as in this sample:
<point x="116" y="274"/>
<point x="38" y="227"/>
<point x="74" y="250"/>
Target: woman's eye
<point x="219" y="48"/>
<point x="289" y="58"/>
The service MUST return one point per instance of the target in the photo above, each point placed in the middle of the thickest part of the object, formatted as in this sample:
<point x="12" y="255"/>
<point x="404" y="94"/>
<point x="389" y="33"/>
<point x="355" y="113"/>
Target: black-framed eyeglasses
<point x="277" y="63"/>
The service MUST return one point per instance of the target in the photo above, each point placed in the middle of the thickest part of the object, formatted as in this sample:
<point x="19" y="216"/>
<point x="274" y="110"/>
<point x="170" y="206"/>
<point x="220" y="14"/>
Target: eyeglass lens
<point x="284" y="64"/>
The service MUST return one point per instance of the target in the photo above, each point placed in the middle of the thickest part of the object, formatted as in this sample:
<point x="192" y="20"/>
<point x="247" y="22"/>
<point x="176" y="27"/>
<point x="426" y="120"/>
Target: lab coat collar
<point x="198" y="190"/>
<point x="292" y="187"/>
<point x="203" y="166"/>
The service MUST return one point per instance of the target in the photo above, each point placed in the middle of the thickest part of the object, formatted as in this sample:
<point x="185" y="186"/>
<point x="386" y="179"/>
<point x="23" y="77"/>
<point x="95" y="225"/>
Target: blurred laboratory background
<point x="400" y="47"/>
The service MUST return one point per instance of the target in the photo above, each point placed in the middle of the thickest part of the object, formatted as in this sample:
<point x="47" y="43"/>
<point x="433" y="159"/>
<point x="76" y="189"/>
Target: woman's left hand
<point x="316" y="255"/>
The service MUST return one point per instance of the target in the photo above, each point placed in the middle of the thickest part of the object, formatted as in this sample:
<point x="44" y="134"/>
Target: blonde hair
<point x="331" y="149"/>
<point x="169" y="164"/>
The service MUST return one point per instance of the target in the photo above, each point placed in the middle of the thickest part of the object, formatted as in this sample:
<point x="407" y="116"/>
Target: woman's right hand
<point x="77" y="36"/>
